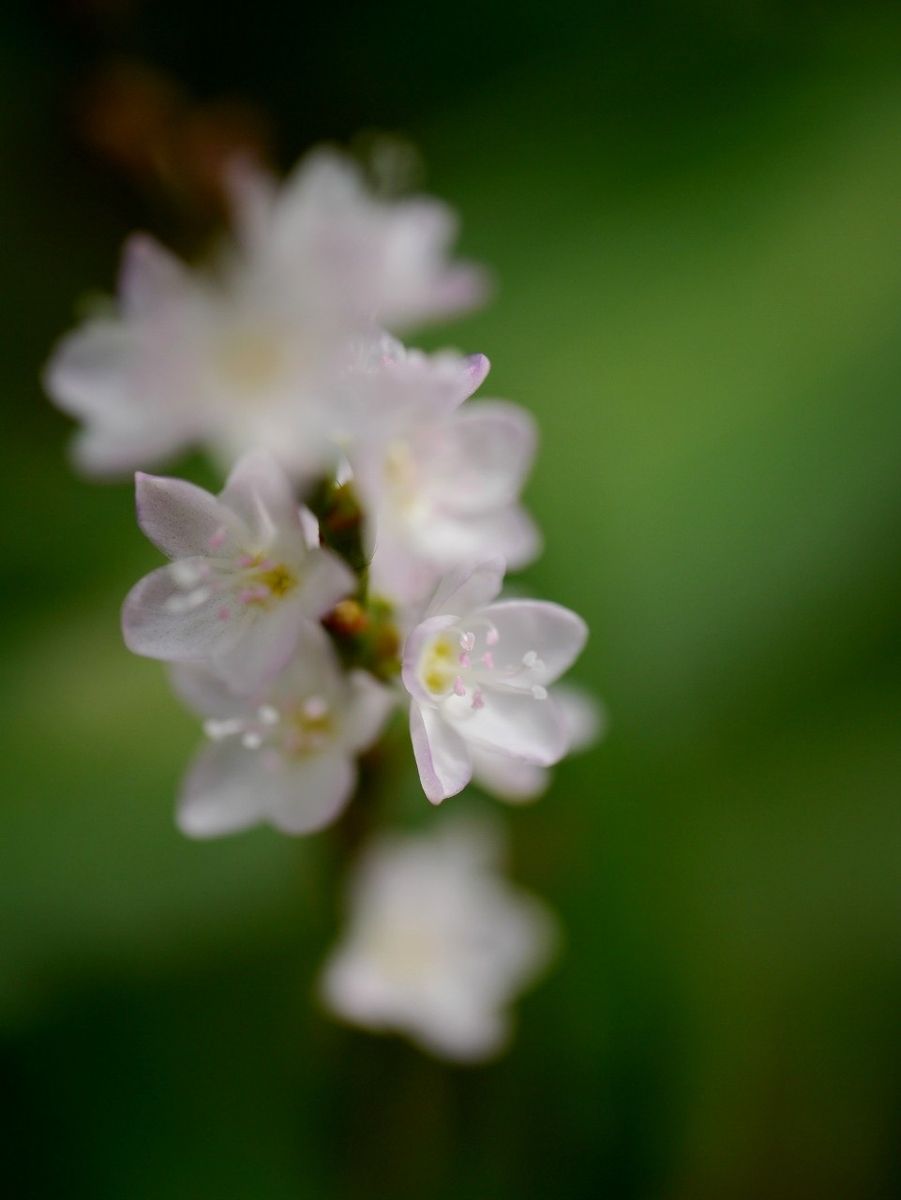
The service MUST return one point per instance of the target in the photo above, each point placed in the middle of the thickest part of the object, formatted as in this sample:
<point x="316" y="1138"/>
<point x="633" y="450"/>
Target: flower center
<point x="296" y="730"/>
<point x="251" y="360"/>
<point x="249" y="581"/>
<point x="461" y="663"/>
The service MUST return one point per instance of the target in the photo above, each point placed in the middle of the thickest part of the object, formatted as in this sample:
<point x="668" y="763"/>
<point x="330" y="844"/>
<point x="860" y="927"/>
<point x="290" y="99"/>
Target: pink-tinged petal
<point x="584" y="718"/>
<point x="252" y="193"/>
<point x="478" y="460"/>
<point x="204" y="692"/>
<point x="370" y="706"/>
<point x="226" y="789"/>
<point x="510" y="533"/>
<point x="268" y="640"/>
<point x="182" y="519"/>
<point x="462" y="287"/>
<point x="260" y="493"/>
<point x="414" y="645"/>
<point x="464" y="590"/>
<point x="104" y="454"/>
<point x="513" y="723"/>
<point x="310" y="794"/>
<point x="554" y="634"/>
<point x="87" y="374"/>
<point x="326" y="580"/>
<point x="156" y="623"/>
<point x="229" y="788"/>
<point x="476" y="371"/>
<point x="149" y="276"/>
<point x="441" y="754"/>
<point x="509" y="779"/>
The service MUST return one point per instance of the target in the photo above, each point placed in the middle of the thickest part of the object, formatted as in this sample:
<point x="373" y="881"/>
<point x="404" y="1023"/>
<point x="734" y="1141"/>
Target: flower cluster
<point x="351" y="566"/>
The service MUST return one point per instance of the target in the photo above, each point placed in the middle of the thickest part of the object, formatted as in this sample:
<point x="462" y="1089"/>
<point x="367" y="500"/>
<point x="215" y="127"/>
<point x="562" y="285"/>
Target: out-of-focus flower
<point x="382" y="260"/>
<point x="477" y="673"/>
<point x="286" y="756"/>
<point x="264" y="347"/>
<point x="518" y="781"/>
<point x="248" y="574"/>
<point x="438" y="943"/>
<point x="446" y="495"/>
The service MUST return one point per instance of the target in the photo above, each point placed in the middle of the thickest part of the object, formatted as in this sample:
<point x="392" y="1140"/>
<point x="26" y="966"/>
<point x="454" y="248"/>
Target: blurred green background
<point x="692" y="210"/>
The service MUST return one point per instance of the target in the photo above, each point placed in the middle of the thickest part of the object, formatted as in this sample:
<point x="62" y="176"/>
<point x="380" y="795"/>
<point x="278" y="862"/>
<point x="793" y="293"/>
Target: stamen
<point x="252" y="594"/>
<point x="465" y="660"/>
<point x="530" y="659"/>
<point x="315" y="707"/>
<point x="459" y="687"/>
<point x="492" y="637"/>
<point x="478" y="700"/>
<point x="539" y="692"/>
<point x="467" y="642"/>
<point x="488" y="660"/>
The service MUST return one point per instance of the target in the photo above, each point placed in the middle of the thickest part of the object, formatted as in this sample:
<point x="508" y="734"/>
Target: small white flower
<point x="445" y="494"/>
<point x="438" y="943"/>
<point x="517" y="781"/>
<point x="383" y="260"/>
<point x="248" y="574"/>
<point x="478" y="672"/>
<point x="245" y="353"/>
<point x="286" y="756"/>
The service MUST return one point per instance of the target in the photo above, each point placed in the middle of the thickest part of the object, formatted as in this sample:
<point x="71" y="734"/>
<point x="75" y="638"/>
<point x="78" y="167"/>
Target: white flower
<point x="287" y="756"/>
<point x="478" y="672"/>
<point x="438" y="943"/>
<point x="518" y="781"/>
<point x="378" y="259"/>
<point x="246" y="352"/>
<point x="445" y="494"/>
<point x="248" y="574"/>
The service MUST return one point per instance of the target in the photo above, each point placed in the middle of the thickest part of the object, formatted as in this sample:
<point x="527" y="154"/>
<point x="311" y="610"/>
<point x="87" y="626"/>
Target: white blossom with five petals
<point x="477" y="671"/>
<point x="444" y="493"/>
<point x="438" y="942"/>
<point x="287" y="755"/>
<point x="247" y="574"/>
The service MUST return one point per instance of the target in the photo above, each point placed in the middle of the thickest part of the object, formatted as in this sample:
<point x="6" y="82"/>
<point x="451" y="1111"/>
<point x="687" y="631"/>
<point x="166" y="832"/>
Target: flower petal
<point x="441" y="755"/>
<point x="512" y="723"/>
<point x="150" y="625"/>
<point x="327" y="579"/>
<point x="467" y="588"/>
<point x="181" y="519"/>
<point x="268" y="640"/>
<point x="478" y="460"/>
<point x="510" y="779"/>
<point x="149" y="276"/>
<point x="260" y="493"/>
<point x="310" y="794"/>
<point x="225" y="790"/>
<point x="369" y="707"/>
<point x="509" y="532"/>
<point x="554" y="633"/>
<point x="204" y="692"/>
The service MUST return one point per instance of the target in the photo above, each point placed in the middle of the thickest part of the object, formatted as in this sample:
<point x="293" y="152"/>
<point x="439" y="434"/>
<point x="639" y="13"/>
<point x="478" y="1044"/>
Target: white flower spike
<point x="477" y="673"/>
<point x="438" y="943"/>
<point x="247" y="574"/>
<point x="286" y="756"/>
